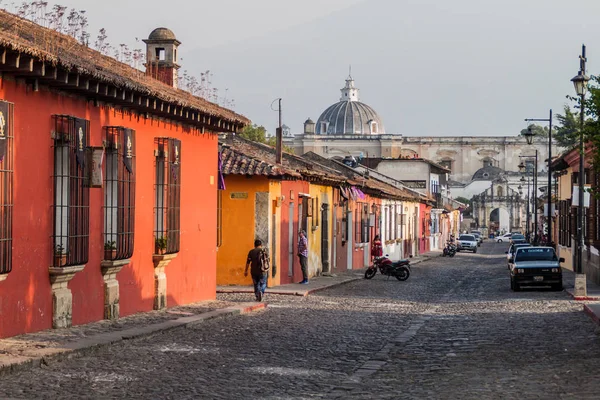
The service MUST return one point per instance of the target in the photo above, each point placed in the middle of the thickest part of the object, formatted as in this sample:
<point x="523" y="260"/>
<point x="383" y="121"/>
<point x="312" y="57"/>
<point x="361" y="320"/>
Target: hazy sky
<point x="429" y="67"/>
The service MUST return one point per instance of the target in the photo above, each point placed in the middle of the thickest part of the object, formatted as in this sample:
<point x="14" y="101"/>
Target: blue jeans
<point x="260" y="283"/>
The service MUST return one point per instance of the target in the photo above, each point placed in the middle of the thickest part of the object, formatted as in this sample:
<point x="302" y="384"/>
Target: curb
<point x="591" y="314"/>
<point x="582" y="298"/>
<point x="40" y="357"/>
<point x="290" y="292"/>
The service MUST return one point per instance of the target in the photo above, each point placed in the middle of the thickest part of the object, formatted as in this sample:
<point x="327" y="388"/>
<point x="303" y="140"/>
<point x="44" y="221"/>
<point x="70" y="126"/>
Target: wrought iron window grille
<point x="6" y="185"/>
<point x="119" y="193"/>
<point x="167" y="199"/>
<point x="71" y="191"/>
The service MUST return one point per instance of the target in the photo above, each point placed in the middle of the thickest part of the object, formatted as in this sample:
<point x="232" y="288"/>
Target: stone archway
<point x="500" y="220"/>
<point x="499" y="208"/>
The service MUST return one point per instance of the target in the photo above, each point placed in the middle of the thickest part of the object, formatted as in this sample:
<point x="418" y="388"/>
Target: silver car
<point x="467" y="242"/>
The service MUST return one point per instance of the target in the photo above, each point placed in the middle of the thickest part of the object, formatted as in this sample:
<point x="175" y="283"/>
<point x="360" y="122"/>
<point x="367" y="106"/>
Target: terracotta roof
<point x="59" y="50"/>
<point x="245" y="157"/>
<point x="369" y="185"/>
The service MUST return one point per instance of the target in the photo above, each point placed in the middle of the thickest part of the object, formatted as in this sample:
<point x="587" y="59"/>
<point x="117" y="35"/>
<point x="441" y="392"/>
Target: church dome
<point x="488" y="173"/>
<point x="349" y="116"/>
<point x="162" y="34"/>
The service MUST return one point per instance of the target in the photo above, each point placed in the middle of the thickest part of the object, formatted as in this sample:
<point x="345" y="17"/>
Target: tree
<point x="537" y="130"/>
<point x="254" y="133"/>
<point x="567" y="133"/>
<point x="258" y="134"/>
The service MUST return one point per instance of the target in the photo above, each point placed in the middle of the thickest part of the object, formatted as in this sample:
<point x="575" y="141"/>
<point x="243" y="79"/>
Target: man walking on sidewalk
<point x="258" y="259"/>
<point x="303" y="256"/>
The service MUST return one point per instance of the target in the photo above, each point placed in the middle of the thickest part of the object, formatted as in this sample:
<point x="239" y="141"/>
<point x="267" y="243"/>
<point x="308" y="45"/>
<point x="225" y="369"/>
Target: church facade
<point x="483" y="168"/>
<point x="351" y="127"/>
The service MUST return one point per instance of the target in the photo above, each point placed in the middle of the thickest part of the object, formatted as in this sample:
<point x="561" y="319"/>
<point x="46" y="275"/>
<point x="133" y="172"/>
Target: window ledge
<point x="3" y="277"/>
<point x="111" y="268"/>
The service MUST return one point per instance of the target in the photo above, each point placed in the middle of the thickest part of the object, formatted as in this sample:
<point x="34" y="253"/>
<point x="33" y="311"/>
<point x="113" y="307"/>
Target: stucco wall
<point x="239" y="227"/>
<point x="25" y="296"/>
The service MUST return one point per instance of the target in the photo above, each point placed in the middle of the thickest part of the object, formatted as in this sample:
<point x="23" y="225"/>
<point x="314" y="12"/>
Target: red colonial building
<point x="108" y="182"/>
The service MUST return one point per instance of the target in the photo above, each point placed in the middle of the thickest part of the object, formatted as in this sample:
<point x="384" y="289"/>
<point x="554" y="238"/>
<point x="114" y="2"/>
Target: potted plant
<point x="60" y="256"/>
<point x="110" y="250"/>
<point x="161" y="245"/>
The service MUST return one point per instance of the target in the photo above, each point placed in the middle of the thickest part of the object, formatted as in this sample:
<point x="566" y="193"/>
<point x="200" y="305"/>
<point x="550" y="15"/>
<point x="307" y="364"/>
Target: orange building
<point x="108" y="182"/>
<point x="271" y="202"/>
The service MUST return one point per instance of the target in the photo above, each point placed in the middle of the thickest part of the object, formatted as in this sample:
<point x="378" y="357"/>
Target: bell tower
<point x="161" y="56"/>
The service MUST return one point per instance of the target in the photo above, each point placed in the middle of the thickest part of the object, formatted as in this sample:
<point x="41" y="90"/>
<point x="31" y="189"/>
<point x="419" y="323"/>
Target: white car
<point x="504" y="238"/>
<point x="467" y="242"/>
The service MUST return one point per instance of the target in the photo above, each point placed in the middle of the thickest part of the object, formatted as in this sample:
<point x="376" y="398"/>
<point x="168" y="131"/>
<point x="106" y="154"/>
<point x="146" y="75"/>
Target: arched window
<point x="446" y="163"/>
<point x="323" y="127"/>
<point x="488" y="162"/>
<point x="374" y="127"/>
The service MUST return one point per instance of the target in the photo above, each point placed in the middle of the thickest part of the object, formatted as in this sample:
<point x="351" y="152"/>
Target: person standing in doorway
<point x="303" y="256"/>
<point x="376" y="248"/>
<point x="259" y="263"/>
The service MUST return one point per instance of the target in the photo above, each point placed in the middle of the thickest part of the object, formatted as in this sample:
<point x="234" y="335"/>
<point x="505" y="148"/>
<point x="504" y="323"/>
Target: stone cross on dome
<point x="349" y="92"/>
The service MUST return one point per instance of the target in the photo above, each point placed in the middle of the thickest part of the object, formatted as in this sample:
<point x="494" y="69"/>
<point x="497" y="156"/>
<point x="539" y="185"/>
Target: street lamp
<point x="523" y="169"/>
<point x="523" y="180"/>
<point x="580" y="82"/>
<point x="529" y="135"/>
<point x="529" y="141"/>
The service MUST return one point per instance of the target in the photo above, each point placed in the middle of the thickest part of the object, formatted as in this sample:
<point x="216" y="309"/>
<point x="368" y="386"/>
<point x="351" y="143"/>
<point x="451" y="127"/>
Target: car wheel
<point x="475" y="250"/>
<point x="516" y="287"/>
<point x="558" y="287"/>
<point x="512" y="284"/>
<point x="499" y="240"/>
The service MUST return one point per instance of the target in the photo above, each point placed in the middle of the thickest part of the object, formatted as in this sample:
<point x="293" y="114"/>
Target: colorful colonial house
<point x="264" y="200"/>
<point x="107" y="175"/>
<point x="380" y="208"/>
<point x="564" y="234"/>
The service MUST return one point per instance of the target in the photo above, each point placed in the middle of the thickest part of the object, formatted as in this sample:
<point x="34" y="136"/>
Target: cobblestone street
<point x="454" y="330"/>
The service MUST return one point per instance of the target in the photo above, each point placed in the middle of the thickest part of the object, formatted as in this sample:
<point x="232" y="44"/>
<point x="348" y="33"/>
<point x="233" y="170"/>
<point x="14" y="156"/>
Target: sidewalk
<point x="593" y="290"/>
<point x="593" y="295"/>
<point x="40" y="348"/>
<point x="317" y="283"/>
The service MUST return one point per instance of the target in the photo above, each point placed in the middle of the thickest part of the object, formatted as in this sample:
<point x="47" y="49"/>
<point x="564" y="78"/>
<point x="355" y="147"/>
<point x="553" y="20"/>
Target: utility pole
<point x="279" y="138"/>
<point x="580" y="82"/>
<point x="549" y="191"/>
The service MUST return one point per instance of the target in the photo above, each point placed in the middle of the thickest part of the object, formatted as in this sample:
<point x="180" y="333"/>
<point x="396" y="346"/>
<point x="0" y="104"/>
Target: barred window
<point x="6" y="185"/>
<point x="361" y="223"/>
<point x="167" y="188"/>
<point x="365" y="223"/>
<point x="119" y="193"/>
<point x="390" y="212"/>
<point x="71" y="191"/>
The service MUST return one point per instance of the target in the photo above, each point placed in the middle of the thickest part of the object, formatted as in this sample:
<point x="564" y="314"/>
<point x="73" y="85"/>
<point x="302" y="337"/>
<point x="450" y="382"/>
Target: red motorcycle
<point x="400" y="269"/>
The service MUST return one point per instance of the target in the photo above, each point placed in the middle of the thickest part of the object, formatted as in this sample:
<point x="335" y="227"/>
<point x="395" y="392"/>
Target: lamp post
<point x="580" y="82"/>
<point x="530" y="141"/>
<point x="523" y="180"/>
<point x="520" y="201"/>
<point x="523" y="168"/>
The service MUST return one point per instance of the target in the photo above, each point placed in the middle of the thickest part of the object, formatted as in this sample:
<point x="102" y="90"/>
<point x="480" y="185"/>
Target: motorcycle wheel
<point x="452" y="254"/>
<point x="403" y="274"/>
<point x="370" y="273"/>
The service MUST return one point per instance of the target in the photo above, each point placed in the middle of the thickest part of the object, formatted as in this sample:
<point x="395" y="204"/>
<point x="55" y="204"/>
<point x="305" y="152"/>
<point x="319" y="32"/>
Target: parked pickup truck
<point x="535" y="266"/>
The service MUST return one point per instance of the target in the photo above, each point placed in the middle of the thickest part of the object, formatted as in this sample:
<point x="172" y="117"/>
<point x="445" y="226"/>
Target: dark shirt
<point x="253" y="258"/>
